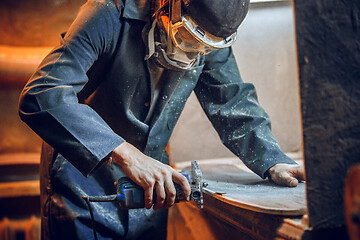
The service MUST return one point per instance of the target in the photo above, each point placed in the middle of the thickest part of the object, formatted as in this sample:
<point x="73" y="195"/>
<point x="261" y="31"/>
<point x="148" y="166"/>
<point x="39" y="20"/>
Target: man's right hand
<point x="150" y="174"/>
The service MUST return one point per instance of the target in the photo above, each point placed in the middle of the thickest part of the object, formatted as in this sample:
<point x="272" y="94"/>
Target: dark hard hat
<point x="218" y="17"/>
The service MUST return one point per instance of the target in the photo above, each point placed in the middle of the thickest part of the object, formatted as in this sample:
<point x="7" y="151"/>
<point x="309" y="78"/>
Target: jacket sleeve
<point x="49" y="102"/>
<point x="234" y="111"/>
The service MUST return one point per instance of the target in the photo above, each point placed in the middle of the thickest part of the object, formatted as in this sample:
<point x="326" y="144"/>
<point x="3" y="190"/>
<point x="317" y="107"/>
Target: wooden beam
<point x="20" y="189"/>
<point x="13" y="159"/>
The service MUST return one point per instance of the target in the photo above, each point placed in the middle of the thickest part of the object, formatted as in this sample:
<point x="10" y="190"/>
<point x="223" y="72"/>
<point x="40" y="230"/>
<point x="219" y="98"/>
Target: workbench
<point x="238" y="204"/>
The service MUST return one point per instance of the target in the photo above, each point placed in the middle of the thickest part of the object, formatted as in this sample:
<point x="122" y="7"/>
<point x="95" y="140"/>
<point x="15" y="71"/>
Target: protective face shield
<point x="180" y="40"/>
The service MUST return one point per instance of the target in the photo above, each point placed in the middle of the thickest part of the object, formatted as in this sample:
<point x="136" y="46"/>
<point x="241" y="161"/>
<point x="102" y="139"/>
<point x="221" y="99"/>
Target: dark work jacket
<point x="93" y="92"/>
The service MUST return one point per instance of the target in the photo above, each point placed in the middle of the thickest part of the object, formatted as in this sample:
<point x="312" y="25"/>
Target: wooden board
<point x="19" y="175"/>
<point x="14" y="159"/>
<point x="232" y="183"/>
<point x="20" y="189"/>
<point x="16" y="167"/>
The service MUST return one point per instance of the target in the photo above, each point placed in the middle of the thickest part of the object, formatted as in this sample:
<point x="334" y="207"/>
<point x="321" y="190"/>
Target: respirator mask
<point x="176" y="41"/>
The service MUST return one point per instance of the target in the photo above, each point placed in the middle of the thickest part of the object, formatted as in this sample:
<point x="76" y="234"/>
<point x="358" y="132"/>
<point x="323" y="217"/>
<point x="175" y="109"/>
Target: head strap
<point x="175" y="10"/>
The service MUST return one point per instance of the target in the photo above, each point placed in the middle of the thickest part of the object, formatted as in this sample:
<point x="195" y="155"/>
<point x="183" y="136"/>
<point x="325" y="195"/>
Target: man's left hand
<point x="287" y="174"/>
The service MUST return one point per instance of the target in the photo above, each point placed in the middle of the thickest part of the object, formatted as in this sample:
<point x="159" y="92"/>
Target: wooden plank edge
<point x="255" y="208"/>
<point x="20" y="189"/>
<point x="258" y="225"/>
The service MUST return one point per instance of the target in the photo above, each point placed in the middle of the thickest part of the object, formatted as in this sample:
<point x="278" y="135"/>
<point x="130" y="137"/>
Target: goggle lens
<point x="190" y="38"/>
<point x="187" y="42"/>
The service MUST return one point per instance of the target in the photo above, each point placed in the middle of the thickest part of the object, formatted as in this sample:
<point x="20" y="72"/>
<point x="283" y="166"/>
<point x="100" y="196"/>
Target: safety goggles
<point x="189" y="37"/>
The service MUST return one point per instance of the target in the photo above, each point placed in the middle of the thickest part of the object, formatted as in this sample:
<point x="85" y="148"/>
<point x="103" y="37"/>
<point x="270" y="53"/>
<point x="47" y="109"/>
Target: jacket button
<point x="147" y="104"/>
<point x="164" y="97"/>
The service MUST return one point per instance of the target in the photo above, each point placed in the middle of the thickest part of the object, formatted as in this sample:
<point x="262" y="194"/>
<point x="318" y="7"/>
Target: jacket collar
<point x="137" y="9"/>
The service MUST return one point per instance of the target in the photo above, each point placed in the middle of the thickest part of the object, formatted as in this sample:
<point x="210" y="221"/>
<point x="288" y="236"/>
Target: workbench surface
<point x="231" y="182"/>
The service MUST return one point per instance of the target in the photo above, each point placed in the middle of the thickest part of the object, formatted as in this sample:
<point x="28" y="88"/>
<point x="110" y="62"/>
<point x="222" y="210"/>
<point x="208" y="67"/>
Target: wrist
<point x="121" y="154"/>
<point x="270" y="171"/>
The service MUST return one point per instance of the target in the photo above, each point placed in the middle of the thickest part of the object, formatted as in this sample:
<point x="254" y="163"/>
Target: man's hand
<point x="287" y="174"/>
<point x="150" y="174"/>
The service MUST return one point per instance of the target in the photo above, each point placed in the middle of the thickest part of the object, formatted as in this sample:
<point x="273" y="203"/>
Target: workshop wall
<point x="266" y="55"/>
<point x="28" y="30"/>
